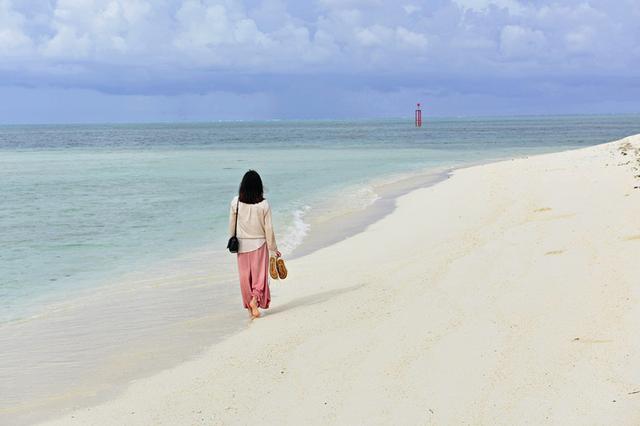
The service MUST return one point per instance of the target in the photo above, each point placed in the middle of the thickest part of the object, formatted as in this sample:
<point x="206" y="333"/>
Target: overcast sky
<point x="195" y="60"/>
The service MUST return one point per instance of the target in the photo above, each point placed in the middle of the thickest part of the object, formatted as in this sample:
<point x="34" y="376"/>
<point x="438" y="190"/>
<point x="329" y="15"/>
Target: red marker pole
<point x="418" y="116"/>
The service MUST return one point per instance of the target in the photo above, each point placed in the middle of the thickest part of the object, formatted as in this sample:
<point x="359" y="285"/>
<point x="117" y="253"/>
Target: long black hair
<point x="251" y="191"/>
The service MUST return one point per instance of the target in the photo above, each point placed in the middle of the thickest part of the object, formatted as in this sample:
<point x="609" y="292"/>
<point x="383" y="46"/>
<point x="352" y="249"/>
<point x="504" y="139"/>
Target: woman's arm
<point x="268" y="230"/>
<point x="232" y="217"/>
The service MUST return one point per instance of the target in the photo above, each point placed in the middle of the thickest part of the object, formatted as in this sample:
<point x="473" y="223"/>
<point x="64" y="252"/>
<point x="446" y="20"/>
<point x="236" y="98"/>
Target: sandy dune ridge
<point x="508" y="294"/>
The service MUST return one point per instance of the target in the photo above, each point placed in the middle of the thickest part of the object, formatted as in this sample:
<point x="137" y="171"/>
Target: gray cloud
<point x="278" y="48"/>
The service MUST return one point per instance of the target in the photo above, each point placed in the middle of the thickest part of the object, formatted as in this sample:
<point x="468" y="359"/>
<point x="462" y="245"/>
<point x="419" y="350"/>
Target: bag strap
<point x="235" y="228"/>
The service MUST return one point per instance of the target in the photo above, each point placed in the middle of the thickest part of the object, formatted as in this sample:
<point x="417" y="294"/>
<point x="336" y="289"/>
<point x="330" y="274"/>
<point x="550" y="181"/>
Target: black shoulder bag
<point x="232" y="245"/>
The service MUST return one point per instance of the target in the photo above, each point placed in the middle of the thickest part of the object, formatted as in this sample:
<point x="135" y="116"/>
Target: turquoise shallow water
<point x="83" y="204"/>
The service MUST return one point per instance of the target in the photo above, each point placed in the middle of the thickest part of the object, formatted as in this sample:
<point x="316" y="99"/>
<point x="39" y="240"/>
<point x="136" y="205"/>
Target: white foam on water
<point x="338" y="202"/>
<point x="296" y="231"/>
<point x="343" y="201"/>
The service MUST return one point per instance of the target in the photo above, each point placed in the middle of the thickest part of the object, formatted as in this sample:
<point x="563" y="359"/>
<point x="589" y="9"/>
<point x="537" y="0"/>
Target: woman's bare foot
<point x="255" y="313"/>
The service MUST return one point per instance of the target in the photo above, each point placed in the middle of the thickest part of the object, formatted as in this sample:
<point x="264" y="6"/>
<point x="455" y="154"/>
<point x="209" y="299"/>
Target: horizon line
<point x="325" y="119"/>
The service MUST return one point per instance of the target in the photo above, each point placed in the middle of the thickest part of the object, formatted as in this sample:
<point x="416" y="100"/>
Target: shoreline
<point x="59" y="315"/>
<point x="350" y="223"/>
<point x="311" y="338"/>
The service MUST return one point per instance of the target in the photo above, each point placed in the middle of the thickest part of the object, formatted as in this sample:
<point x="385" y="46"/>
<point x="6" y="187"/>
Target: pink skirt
<point x="253" y="268"/>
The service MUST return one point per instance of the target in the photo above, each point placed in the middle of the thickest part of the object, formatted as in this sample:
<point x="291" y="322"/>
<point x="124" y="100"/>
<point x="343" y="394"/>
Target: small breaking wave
<point x="296" y="231"/>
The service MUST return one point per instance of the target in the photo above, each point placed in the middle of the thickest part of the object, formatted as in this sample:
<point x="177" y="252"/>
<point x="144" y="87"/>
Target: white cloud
<point x="411" y="8"/>
<point x="580" y="40"/>
<point x="203" y="27"/>
<point x="374" y="36"/>
<point x="340" y="36"/>
<point x="96" y="29"/>
<point x="350" y="4"/>
<point x="13" y="41"/>
<point x="410" y="39"/>
<point x="514" y="6"/>
<point x="68" y="43"/>
<point x="517" y="41"/>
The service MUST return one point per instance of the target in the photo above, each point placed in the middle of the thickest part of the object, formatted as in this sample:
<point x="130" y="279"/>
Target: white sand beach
<point x="507" y="294"/>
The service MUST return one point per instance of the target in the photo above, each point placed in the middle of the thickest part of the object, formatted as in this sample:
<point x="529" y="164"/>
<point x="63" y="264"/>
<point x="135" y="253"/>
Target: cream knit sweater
<point x="254" y="225"/>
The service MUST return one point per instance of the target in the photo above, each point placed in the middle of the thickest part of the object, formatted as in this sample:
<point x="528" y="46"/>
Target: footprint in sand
<point x="554" y="252"/>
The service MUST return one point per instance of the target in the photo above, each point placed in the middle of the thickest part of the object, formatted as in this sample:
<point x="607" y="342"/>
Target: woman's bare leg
<point x="254" y="307"/>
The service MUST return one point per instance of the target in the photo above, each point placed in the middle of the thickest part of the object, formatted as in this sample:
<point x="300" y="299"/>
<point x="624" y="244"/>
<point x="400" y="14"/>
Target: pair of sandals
<point x="277" y="268"/>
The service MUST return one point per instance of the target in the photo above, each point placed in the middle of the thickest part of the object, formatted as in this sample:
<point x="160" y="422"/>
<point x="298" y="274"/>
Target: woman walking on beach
<point x="250" y="221"/>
